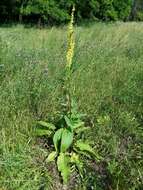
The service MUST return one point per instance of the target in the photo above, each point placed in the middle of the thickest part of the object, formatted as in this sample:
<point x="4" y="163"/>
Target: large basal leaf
<point x="63" y="163"/>
<point x="67" y="139"/>
<point x="52" y="156"/>
<point x="57" y="138"/>
<point x="42" y="132"/>
<point x="83" y="146"/>
<point x="47" y="125"/>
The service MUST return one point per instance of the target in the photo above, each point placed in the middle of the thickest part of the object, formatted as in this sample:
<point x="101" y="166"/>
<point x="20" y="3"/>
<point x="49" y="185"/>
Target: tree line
<point x="58" y="11"/>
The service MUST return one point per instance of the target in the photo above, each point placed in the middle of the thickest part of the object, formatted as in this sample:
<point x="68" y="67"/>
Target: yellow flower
<point x="71" y="42"/>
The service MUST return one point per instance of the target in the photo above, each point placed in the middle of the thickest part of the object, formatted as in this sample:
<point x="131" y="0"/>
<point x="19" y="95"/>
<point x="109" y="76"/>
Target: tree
<point x="123" y="8"/>
<point x="58" y="11"/>
<point x="46" y="10"/>
<point x="137" y="10"/>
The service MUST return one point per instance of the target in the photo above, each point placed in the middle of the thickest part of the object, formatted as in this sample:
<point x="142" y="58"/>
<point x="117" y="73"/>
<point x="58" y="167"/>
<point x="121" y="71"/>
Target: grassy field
<point x="108" y="85"/>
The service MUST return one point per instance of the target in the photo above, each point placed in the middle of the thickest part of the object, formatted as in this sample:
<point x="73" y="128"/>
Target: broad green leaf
<point x="67" y="139"/>
<point x="57" y="138"/>
<point x="63" y="163"/>
<point x="47" y="125"/>
<point x="68" y="122"/>
<point x="42" y="132"/>
<point x="51" y="156"/>
<point x="86" y="147"/>
<point x="78" y="124"/>
<point x="73" y="124"/>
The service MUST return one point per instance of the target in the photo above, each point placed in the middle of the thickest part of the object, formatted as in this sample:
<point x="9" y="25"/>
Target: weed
<point x="67" y="135"/>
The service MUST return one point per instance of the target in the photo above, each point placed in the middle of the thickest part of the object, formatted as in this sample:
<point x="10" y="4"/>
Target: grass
<point x="107" y="83"/>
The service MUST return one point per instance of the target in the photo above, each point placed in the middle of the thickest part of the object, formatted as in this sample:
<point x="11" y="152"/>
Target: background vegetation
<point x="107" y="82"/>
<point x="54" y="11"/>
<point x="108" y="87"/>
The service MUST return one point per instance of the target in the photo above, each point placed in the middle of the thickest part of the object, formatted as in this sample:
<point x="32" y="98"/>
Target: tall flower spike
<point x="71" y="42"/>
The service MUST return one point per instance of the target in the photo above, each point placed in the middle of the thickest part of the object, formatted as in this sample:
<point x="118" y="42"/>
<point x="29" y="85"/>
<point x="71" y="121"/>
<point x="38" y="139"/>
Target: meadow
<point x="108" y="85"/>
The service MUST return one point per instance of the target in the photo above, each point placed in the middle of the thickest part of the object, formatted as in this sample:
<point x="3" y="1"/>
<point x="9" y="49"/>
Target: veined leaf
<point x="73" y="124"/>
<point x="63" y="162"/>
<point x="86" y="147"/>
<point x="68" y="122"/>
<point x="78" y="124"/>
<point x="42" y="132"/>
<point x="67" y="139"/>
<point x="47" y="125"/>
<point x="51" y="156"/>
<point x="57" y="137"/>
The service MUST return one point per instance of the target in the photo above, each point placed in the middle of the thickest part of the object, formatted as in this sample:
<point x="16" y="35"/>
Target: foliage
<point x="53" y="11"/>
<point x="68" y="143"/>
<point x="44" y="9"/>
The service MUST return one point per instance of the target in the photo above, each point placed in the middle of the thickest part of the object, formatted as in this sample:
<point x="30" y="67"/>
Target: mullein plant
<point x="69" y="56"/>
<point x="67" y="135"/>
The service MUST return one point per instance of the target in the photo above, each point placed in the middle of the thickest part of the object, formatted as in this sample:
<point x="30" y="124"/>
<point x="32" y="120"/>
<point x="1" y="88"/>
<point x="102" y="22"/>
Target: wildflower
<point x="71" y="42"/>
